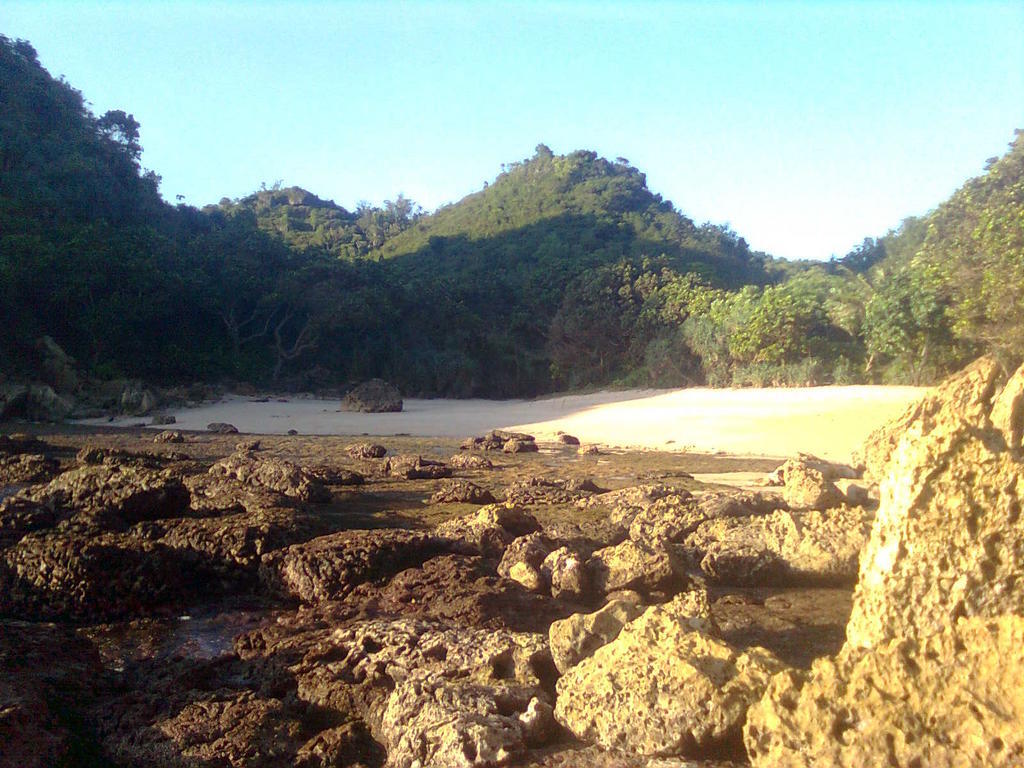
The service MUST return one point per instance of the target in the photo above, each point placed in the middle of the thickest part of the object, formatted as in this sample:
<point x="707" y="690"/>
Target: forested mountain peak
<point x="548" y="186"/>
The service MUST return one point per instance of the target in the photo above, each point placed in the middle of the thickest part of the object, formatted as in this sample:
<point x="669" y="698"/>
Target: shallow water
<point x="205" y="635"/>
<point x="9" y="490"/>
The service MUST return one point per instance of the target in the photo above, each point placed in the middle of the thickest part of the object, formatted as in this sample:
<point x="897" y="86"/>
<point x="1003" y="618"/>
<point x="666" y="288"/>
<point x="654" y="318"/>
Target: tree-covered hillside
<point x="566" y="271"/>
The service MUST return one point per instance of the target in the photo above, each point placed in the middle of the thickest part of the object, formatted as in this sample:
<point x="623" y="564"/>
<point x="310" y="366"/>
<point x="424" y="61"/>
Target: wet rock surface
<point x="254" y="604"/>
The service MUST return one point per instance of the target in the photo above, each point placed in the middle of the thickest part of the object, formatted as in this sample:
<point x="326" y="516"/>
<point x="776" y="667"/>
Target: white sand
<point x="827" y="421"/>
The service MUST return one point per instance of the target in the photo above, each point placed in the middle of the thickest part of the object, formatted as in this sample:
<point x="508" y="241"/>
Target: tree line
<point x="565" y="272"/>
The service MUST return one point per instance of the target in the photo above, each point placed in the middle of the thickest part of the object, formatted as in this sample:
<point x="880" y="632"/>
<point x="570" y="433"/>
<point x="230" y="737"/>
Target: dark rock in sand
<point x="367" y="451"/>
<point x="373" y="396"/>
<point x="519" y="446"/>
<point x="168" y="436"/>
<point x="469" y="461"/>
<point x="222" y="428"/>
<point x="335" y="475"/>
<point x="565" y="439"/>
<point x="162" y="420"/>
<point x="416" y="468"/>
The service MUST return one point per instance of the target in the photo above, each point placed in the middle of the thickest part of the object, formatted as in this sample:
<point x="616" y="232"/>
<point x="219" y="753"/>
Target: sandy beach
<point x="827" y="421"/>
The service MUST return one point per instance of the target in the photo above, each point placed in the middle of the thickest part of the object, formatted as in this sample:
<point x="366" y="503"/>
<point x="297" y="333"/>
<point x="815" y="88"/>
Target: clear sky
<point x="805" y="126"/>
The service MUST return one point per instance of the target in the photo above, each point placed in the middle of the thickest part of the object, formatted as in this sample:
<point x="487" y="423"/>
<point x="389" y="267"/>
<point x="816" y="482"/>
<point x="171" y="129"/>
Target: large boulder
<point x="577" y="637"/>
<point x="434" y="694"/>
<point x="782" y="548"/>
<point x="373" y="396"/>
<point x="665" y="686"/>
<point x="630" y="565"/>
<point x="966" y="395"/>
<point x="276" y="474"/>
<point x="490" y="529"/>
<point x="114" y="495"/>
<point x="806" y="486"/>
<point x="329" y="567"/>
<point x="951" y="699"/>
<point x="76" y="576"/>
<point x="946" y="538"/>
<point x="57" y="366"/>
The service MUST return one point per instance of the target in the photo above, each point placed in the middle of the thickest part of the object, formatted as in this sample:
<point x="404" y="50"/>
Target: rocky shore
<point x="227" y="600"/>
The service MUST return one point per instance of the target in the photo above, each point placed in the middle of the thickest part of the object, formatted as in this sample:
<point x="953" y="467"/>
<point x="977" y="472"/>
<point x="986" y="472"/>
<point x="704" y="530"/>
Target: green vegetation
<point x="565" y="272"/>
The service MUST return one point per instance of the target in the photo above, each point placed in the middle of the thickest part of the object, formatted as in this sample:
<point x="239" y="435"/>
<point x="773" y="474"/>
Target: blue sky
<point x="805" y="126"/>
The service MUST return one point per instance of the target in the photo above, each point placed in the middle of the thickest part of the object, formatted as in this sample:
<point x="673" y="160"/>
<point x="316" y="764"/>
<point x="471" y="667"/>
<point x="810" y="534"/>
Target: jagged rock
<point x="469" y="461"/>
<point x="168" y="436"/>
<point x="669" y="519"/>
<point x="529" y="576"/>
<point x="490" y="529"/>
<point x="231" y="546"/>
<point x="665" y="686"/>
<point x="965" y="396"/>
<point x="58" y="367"/>
<point x="37" y="402"/>
<point x="373" y="396"/>
<point x="223" y="727"/>
<point x="432" y="693"/>
<point x="137" y="400"/>
<point x="946" y="536"/>
<point x="624" y="504"/>
<point x="218" y="495"/>
<point x="577" y="637"/>
<point x="161" y="420"/>
<point x="334" y="475"/>
<point x="222" y="428"/>
<point x="530" y="549"/>
<point x="329" y="567"/>
<point x="519" y="446"/>
<point x="830" y="470"/>
<point x="20" y="516"/>
<point x="539" y="490"/>
<point x="367" y="451"/>
<point x="782" y="548"/>
<point x="807" y="487"/>
<point x="589" y="450"/>
<point x="113" y="495"/>
<point x="567" y="573"/>
<point x="277" y="474"/>
<point x="433" y="722"/>
<point x="462" y="492"/>
<point x="501" y="440"/>
<point x="77" y="576"/>
<point x="464" y="590"/>
<point x="416" y="468"/>
<point x="27" y="468"/>
<point x="565" y="439"/>
<point x="950" y="699"/>
<point x="630" y="565"/>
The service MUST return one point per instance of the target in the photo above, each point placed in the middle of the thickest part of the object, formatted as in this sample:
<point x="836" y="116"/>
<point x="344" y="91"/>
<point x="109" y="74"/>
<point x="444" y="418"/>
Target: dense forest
<point x="565" y="272"/>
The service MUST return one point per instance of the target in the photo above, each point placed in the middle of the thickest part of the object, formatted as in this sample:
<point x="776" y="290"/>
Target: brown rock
<point x="373" y="396"/>
<point x="462" y="492"/>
